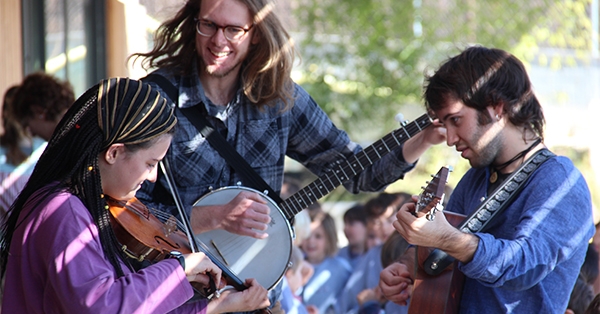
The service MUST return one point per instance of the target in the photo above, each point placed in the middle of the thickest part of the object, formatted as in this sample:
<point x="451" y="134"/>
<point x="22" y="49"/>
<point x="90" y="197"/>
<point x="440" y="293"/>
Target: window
<point x="65" y="38"/>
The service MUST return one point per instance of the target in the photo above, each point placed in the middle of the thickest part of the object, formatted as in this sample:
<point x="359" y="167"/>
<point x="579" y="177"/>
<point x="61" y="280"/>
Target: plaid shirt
<point x="263" y="138"/>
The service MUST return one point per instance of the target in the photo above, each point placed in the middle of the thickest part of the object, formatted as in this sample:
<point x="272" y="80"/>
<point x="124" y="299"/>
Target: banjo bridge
<point x="219" y="252"/>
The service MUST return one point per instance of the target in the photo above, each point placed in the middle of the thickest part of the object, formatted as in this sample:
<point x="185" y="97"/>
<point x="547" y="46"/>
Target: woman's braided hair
<point x="117" y="110"/>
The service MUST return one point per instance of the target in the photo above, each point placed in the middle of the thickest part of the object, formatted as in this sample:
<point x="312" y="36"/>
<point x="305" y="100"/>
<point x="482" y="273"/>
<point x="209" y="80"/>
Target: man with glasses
<point x="233" y="59"/>
<point x="233" y="33"/>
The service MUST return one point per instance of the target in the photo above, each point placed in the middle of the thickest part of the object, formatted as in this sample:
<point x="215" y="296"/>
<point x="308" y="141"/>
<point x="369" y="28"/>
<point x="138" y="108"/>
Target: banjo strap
<point x="504" y="194"/>
<point x="197" y="116"/>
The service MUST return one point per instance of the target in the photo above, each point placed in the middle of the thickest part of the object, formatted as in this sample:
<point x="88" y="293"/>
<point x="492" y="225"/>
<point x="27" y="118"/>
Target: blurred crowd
<point x="30" y="112"/>
<point x="323" y="277"/>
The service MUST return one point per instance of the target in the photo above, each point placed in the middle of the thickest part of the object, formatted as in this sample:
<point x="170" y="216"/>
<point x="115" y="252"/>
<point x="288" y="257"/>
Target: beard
<point x="217" y="71"/>
<point x="485" y="153"/>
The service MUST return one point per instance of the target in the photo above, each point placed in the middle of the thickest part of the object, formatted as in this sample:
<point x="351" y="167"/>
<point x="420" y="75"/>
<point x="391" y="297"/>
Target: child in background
<point x="594" y="307"/>
<point x="581" y="297"/>
<point x="293" y="285"/>
<point x="370" y="300"/>
<point x="31" y="111"/>
<point x="330" y="272"/>
<point x="355" y="230"/>
<point x="381" y="212"/>
<point x="301" y="229"/>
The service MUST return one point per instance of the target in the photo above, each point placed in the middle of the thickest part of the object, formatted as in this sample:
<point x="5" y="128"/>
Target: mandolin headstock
<point x="431" y="198"/>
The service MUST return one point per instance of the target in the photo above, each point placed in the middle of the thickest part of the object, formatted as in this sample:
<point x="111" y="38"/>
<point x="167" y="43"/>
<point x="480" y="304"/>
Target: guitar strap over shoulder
<point x="504" y="194"/>
<point x="438" y="260"/>
<point x="197" y="116"/>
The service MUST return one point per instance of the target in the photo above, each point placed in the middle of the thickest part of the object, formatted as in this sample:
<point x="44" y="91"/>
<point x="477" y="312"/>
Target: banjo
<point x="267" y="259"/>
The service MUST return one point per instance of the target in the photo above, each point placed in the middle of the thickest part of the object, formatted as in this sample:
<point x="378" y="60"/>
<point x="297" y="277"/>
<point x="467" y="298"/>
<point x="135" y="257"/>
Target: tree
<point x="364" y="60"/>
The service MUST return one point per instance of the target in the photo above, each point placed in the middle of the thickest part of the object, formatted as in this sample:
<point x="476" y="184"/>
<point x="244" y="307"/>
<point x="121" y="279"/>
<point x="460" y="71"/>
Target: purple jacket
<point x="57" y="265"/>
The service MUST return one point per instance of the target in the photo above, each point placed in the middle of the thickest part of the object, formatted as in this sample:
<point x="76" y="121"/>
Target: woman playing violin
<point x="59" y="253"/>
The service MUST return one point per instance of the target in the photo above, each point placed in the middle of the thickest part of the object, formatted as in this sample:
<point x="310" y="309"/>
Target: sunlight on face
<point x="220" y="56"/>
<point x="480" y="144"/>
<point x="124" y="172"/>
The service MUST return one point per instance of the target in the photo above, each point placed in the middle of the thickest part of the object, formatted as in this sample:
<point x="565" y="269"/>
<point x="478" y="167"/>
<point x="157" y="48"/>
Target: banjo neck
<point x="345" y="169"/>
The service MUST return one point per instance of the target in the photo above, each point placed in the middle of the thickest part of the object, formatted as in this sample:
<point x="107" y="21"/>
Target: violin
<point x="143" y="237"/>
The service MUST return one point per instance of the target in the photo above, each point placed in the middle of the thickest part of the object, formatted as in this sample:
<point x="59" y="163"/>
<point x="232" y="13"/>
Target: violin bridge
<point x="170" y="226"/>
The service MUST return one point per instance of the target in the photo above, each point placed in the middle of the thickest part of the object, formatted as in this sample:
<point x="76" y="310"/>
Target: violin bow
<point x="195" y="247"/>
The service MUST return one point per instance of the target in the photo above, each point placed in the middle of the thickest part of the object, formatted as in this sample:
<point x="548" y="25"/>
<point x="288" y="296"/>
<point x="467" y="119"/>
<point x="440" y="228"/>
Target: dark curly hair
<point x="45" y="91"/>
<point x="480" y="77"/>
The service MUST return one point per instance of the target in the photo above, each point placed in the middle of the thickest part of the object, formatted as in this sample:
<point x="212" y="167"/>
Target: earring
<point x="497" y="117"/>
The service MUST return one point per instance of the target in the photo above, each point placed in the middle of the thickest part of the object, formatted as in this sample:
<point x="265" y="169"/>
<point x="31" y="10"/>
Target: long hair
<point x="265" y="74"/>
<point x="328" y="223"/>
<point x="114" y="111"/>
<point x="480" y="77"/>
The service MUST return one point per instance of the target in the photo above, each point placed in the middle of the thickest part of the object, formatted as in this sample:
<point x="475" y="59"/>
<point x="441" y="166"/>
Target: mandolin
<point x="440" y="292"/>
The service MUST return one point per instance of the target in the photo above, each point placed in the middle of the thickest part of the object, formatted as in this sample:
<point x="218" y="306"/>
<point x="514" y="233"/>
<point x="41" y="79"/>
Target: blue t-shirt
<point x="530" y="255"/>
<point x="353" y="259"/>
<point x="365" y="276"/>
<point x="324" y="287"/>
<point x="14" y="177"/>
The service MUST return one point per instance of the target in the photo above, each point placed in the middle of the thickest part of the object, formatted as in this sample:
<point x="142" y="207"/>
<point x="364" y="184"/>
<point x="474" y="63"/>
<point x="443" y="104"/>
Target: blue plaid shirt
<point x="263" y="138"/>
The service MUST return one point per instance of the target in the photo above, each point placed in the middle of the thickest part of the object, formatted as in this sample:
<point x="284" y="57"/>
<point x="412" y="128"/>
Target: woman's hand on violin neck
<point x="253" y="298"/>
<point x="198" y="268"/>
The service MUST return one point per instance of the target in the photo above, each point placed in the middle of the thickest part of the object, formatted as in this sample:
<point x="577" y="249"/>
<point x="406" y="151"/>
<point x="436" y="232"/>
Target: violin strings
<point x="164" y="216"/>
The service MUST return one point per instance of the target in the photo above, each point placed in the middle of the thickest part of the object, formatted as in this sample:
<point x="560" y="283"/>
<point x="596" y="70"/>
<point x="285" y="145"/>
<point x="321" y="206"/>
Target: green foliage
<point x="365" y="60"/>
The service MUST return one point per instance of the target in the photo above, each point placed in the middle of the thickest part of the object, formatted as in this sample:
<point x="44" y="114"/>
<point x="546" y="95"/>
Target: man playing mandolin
<point x="526" y="258"/>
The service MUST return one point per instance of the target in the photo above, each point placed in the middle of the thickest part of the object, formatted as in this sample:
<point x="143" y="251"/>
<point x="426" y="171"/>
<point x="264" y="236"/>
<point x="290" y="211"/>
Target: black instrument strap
<point x="198" y="117"/>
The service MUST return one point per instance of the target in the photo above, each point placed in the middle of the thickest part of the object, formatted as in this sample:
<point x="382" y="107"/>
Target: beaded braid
<point x="92" y="124"/>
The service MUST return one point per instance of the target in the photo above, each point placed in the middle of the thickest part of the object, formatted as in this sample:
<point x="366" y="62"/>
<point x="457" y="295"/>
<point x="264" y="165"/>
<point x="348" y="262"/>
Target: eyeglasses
<point x="232" y="33"/>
